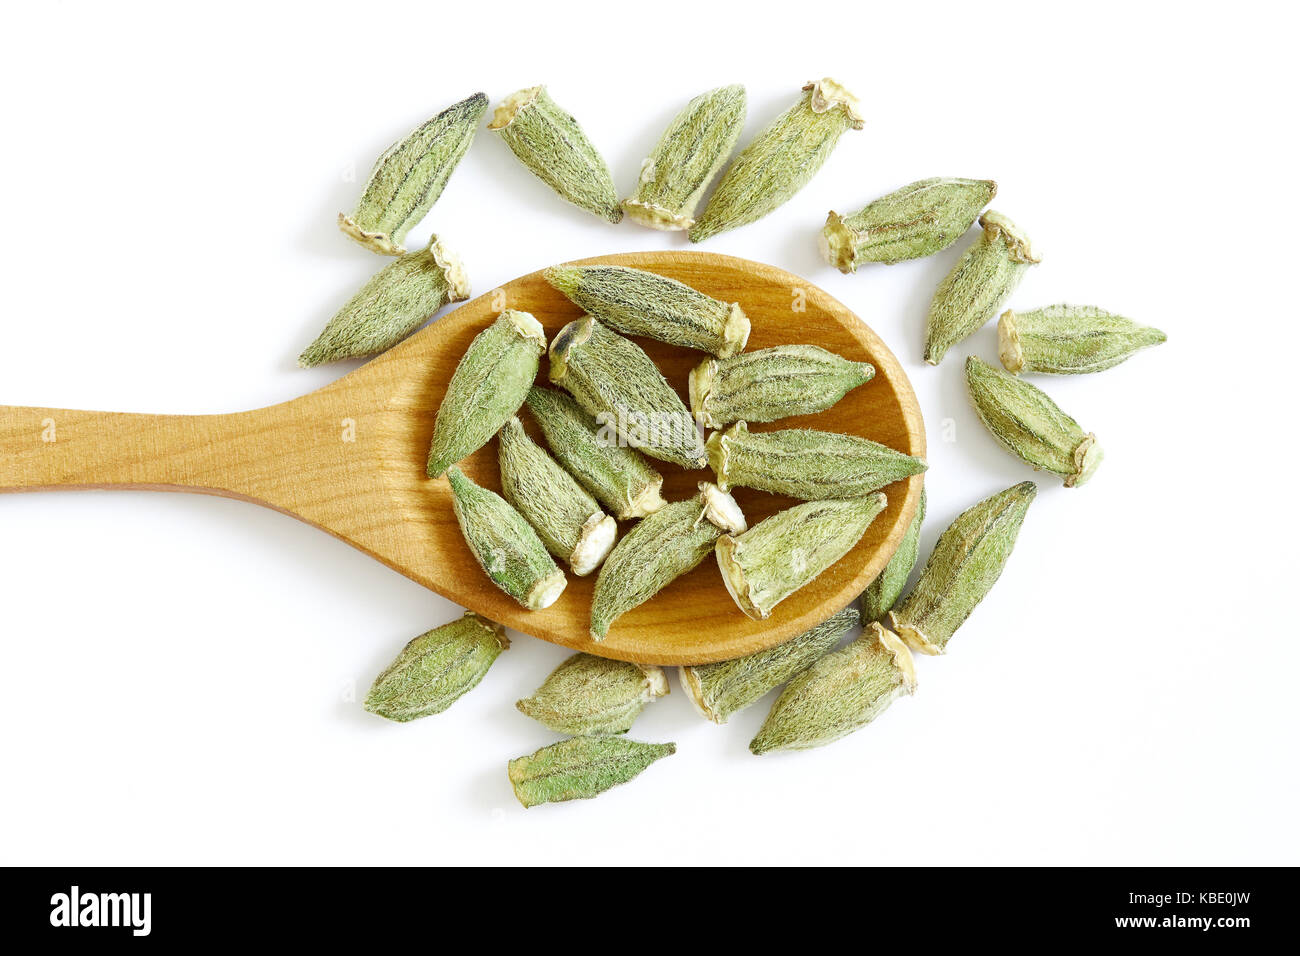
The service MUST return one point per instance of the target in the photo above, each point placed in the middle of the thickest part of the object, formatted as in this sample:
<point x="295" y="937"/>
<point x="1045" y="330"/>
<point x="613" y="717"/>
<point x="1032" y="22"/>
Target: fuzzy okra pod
<point x="504" y="544"/>
<point x="394" y="303"/>
<point x="719" y="690"/>
<point x="881" y="593"/>
<point x="918" y="220"/>
<point x="1070" y="339"/>
<point x="594" y="695"/>
<point x="772" y="383"/>
<point x="781" y="159"/>
<point x="966" y="562"/>
<point x="783" y="553"/>
<point x="971" y="294"/>
<point x="435" y="669"/>
<point x="843" y="692"/>
<point x="569" y="521"/>
<point x="805" y="463"/>
<point x="636" y="302"/>
<point x="581" y="768"/>
<point x="689" y="154"/>
<point x="553" y="146"/>
<point x="1027" y="423"/>
<point x="659" y="549"/>
<point x="487" y="388"/>
<point x="614" y="380"/>
<point x="409" y="177"/>
<point x="620" y="477"/>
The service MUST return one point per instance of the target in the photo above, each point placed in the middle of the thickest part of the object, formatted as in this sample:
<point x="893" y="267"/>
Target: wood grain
<point x="372" y="492"/>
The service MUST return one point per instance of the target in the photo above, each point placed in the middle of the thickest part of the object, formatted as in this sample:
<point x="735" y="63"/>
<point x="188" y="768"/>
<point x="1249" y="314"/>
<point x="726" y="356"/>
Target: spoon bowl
<point x="350" y="459"/>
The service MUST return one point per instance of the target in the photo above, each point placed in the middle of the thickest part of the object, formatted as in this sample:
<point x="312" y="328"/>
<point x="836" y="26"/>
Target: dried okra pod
<point x="781" y="159"/>
<point x="687" y="157"/>
<point x="659" y="549"/>
<point x="1027" y="423"/>
<point x="978" y="284"/>
<point x="781" y="554"/>
<point x="434" y="670"/>
<point x="881" y="593"/>
<point x="409" y="177"/>
<point x="614" y="380"/>
<point x="965" y="564"/>
<point x="1069" y="339"/>
<point x="720" y="690"/>
<point x="550" y="142"/>
<point x="488" y="386"/>
<point x="394" y="303"/>
<point x="916" y="221"/>
<point x="636" y="302"/>
<point x="505" y="545"/>
<point x="620" y="477"/>
<point x="843" y="692"/>
<point x="594" y="695"/>
<point x="773" y="383"/>
<point x="804" y="463"/>
<point x="580" y="768"/>
<point x="569" y="521"/>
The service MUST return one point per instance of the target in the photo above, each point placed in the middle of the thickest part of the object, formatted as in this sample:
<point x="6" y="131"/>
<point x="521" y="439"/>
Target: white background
<point x="180" y="673"/>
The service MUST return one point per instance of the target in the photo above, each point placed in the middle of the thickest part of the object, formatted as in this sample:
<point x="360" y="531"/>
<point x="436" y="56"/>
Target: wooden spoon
<point x="350" y="459"/>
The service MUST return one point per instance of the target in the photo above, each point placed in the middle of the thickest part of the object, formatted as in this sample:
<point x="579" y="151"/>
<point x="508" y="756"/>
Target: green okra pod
<point x="881" y="593"/>
<point x="581" y="768"/>
<point x="918" y="220"/>
<point x="553" y="146"/>
<point x="805" y="463"/>
<point x="569" y="520"/>
<point x="488" y="387"/>
<point x="785" y="552"/>
<point x="781" y="159"/>
<point x="658" y="550"/>
<point x="636" y="302"/>
<point x="619" y="477"/>
<point x="594" y="695"/>
<point x="843" y="692"/>
<point x="1070" y="339"/>
<point x="435" y="669"/>
<point x="1027" y="423"/>
<point x="966" y="562"/>
<point x="394" y="303"/>
<point x="614" y="380"/>
<point x="772" y="383"/>
<point x="504" y="544"/>
<point x="971" y="294"/>
<point x="409" y="177"/>
<point x="719" y="690"/>
<point x="692" y="149"/>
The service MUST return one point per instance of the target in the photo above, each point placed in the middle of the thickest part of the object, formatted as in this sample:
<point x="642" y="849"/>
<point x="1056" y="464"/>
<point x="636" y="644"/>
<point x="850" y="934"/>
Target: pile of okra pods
<point x="565" y="503"/>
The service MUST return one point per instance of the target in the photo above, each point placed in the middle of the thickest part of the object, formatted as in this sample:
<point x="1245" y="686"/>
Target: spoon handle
<point x="304" y="458"/>
<point x="49" y="448"/>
